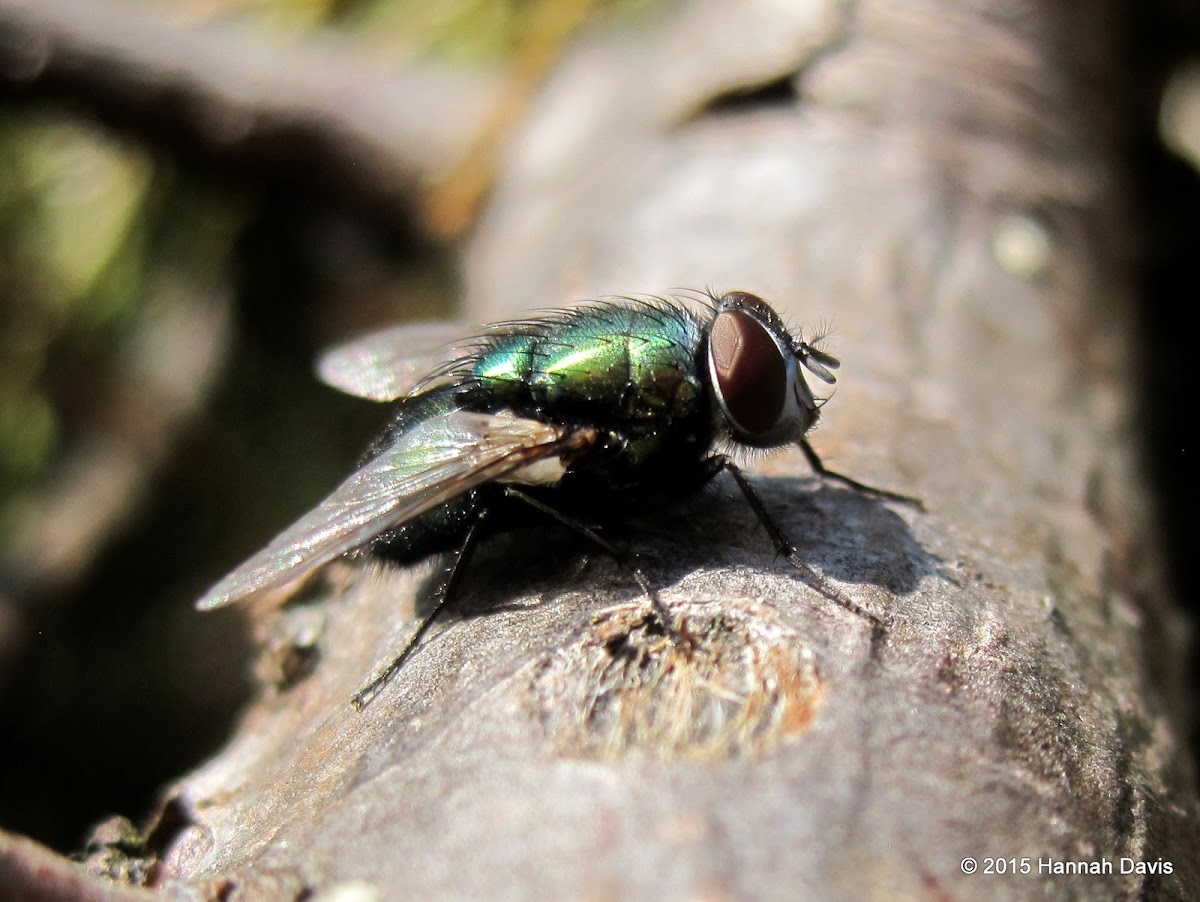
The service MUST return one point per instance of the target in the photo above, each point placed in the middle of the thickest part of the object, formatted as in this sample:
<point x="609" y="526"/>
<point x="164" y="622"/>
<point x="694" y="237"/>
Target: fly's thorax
<point x="632" y="370"/>
<point x="760" y="395"/>
<point x="610" y="364"/>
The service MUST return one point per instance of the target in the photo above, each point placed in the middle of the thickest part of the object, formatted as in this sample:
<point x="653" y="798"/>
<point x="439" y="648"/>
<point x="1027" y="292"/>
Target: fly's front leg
<point x="814" y="461"/>
<point x="785" y="547"/>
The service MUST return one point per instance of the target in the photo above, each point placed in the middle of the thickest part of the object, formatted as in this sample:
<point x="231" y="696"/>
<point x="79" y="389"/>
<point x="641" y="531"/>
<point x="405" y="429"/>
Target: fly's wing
<point x="386" y="365"/>
<point x="434" y="462"/>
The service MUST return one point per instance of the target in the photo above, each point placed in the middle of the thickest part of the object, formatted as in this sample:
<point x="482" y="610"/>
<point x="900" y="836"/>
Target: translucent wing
<point x="385" y="365"/>
<point x="434" y="462"/>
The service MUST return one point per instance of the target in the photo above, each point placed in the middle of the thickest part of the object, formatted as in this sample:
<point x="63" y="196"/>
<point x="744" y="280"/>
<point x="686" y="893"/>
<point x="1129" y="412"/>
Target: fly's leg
<point x="615" y="553"/>
<point x="785" y="547"/>
<point x="462" y="557"/>
<point x="821" y="470"/>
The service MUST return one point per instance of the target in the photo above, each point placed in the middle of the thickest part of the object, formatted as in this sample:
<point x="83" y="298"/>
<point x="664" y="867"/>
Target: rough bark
<point x="938" y="180"/>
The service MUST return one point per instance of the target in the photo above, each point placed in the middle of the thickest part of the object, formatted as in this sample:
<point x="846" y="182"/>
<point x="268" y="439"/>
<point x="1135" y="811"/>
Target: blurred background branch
<point x="313" y="108"/>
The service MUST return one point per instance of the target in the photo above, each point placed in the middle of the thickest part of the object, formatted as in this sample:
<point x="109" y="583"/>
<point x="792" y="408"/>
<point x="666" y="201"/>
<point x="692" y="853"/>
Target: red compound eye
<point x="750" y="373"/>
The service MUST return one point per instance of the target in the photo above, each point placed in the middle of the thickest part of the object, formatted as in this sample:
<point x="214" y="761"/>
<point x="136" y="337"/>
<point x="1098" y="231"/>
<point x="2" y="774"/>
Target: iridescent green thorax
<point x="630" y="368"/>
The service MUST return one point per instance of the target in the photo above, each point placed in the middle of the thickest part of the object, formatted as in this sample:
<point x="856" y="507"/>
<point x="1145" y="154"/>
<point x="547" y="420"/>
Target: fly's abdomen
<point x="435" y="531"/>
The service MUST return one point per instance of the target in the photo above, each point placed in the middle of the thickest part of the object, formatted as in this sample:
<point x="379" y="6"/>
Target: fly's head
<point x="756" y="369"/>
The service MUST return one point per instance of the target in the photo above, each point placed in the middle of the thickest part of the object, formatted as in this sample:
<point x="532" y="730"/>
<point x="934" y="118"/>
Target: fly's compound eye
<point x="749" y="372"/>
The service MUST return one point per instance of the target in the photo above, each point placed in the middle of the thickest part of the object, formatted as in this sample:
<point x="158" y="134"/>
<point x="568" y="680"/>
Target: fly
<point x="588" y="411"/>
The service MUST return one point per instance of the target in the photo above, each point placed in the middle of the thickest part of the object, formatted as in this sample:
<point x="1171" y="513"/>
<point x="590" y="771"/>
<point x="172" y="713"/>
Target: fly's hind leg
<point x="445" y="592"/>
<point x="785" y="547"/>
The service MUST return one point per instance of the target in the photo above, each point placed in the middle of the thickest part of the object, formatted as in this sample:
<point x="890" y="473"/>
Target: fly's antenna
<point x="817" y="362"/>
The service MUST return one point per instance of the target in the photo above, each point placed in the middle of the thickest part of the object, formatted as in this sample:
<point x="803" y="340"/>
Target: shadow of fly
<point x="580" y="414"/>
